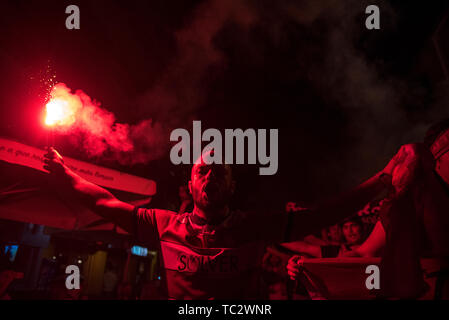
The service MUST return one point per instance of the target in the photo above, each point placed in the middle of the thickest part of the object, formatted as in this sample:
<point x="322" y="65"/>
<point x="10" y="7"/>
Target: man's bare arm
<point x="92" y="196"/>
<point x="336" y="209"/>
<point x="346" y="204"/>
<point x="303" y="247"/>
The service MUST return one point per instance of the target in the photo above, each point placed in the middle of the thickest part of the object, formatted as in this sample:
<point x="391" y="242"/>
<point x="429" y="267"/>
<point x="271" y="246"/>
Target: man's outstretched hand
<point x="96" y="198"/>
<point x="53" y="162"/>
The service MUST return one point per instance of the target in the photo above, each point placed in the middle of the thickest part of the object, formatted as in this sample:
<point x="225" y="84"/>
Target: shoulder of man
<point x="152" y="220"/>
<point x="152" y="211"/>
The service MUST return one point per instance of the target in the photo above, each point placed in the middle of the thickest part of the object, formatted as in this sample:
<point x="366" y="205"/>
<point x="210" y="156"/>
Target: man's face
<point x="211" y="185"/>
<point x="352" y="232"/>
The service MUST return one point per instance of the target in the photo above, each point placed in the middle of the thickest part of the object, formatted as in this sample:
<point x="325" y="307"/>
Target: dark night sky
<point x="343" y="98"/>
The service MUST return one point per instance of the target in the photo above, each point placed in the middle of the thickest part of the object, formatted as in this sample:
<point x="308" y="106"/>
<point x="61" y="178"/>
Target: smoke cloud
<point x="326" y="45"/>
<point x="100" y="135"/>
<point x="182" y="90"/>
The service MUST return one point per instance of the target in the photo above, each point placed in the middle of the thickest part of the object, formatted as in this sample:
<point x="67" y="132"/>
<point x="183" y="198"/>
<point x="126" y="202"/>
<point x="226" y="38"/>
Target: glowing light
<point x="59" y="112"/>
<point x="139" y="251"/>
<point x="95" y="128"/>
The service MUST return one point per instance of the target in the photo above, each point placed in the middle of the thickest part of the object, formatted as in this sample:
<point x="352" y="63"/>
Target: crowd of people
<point x="213" y="252"/>
<point x="210" y="251"/>
<point x="342" y="239"/>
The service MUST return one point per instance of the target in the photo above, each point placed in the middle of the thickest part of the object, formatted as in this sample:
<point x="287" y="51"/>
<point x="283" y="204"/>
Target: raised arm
<point x="346" y="204"/>
<point x="92" y="196"/>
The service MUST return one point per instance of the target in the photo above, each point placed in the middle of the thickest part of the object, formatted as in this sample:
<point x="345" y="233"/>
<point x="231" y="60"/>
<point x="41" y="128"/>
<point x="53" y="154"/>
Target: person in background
<point x="110" y="280"/>
<point x="354" y="245"/>
<point x="332" y="235"/>
<point x="414" y="221"/>
<point x="7" y="275"/>
<point x="212" y="232"/>
<point x="370" y="214"/>
<point x="352" y="229"/>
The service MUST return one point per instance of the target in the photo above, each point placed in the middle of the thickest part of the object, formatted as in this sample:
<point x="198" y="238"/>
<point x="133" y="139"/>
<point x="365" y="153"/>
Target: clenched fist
<point x="53" y="162"/>
<point x="294" y="266"/>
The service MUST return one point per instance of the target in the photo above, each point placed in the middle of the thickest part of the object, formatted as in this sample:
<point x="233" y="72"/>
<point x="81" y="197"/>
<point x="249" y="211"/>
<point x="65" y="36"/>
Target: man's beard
<point x="214" y="200"/>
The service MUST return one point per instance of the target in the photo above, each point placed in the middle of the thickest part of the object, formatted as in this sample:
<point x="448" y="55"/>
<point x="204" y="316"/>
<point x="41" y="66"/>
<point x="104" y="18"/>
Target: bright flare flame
<point x="59" y="112"/>
<point x="96" y="130"/>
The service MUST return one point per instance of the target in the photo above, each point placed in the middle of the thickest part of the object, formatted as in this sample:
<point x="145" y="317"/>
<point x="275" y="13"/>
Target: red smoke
<point x="100" y="134"/>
